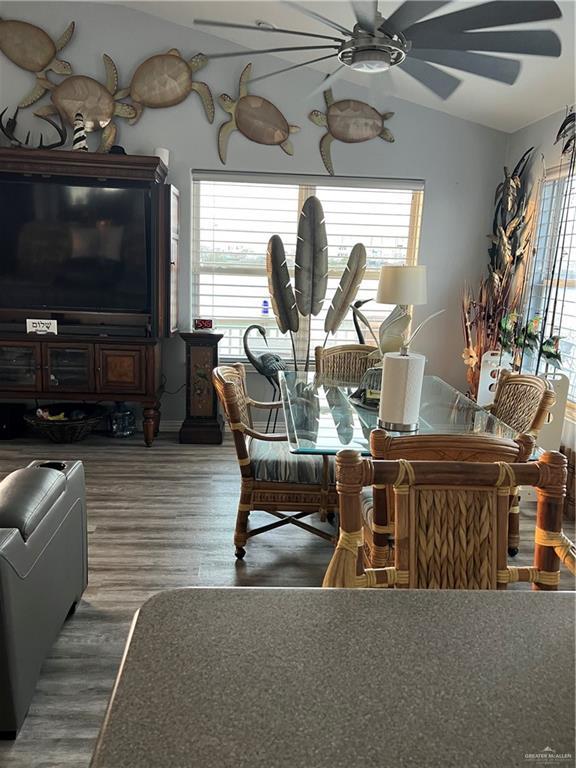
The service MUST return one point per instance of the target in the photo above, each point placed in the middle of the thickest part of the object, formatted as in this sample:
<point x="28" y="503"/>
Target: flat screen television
<point x="69" y="247"/>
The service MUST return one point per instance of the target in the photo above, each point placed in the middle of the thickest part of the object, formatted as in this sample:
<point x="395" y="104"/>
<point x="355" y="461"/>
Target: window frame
<point x="307" y="184"/>
<point x="551" y="175"/>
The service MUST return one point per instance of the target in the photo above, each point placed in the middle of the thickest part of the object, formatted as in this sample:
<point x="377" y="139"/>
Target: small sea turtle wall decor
<point x="255" y="117"/>
<point x="32" y="49"/>
<point x="165" y="80"/>
<point x="97" y="103"/>
<point x="349" y="121"/>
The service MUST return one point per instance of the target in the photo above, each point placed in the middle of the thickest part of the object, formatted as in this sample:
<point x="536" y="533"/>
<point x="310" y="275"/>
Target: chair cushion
<point x="367" y="506"/>
<point x="26" y="495"/>
<point x="273" y="462"/>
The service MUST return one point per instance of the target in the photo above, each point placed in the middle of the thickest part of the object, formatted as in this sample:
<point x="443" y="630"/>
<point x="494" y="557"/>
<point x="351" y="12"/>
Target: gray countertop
<point x="311" y="678"/>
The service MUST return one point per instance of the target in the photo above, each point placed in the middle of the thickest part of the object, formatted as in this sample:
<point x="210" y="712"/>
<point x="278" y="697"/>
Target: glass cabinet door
<point x="69" y="367"/>
<point x="19" y="366"/>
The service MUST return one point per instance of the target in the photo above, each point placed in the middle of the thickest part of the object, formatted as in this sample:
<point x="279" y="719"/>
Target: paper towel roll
<point x="402" y="377"/>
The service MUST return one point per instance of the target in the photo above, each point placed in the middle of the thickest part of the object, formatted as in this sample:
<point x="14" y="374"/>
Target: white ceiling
<point x="544" y="86"/>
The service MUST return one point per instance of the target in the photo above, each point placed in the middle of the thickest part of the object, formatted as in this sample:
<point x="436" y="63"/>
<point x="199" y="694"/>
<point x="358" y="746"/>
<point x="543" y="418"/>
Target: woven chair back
<point x="230" y="385"/>
<point x="452" y="536"/>
<point x="466" y="447"/>
<point x="344" y="364"/>
<point x="523" y="401"/>
<point x="451" y="523"/>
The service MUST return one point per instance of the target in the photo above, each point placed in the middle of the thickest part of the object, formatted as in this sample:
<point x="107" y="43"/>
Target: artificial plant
<point x="295" y="306"/>
<point x="486" y="313"/>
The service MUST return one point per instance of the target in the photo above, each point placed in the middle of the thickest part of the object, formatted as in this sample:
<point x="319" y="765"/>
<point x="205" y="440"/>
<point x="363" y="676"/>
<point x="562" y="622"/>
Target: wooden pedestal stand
<point x="203" y="424"/>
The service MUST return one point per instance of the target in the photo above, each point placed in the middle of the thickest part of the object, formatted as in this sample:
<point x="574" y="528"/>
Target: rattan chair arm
<point x="257" y="404"/>
<point x="271" y="436"/>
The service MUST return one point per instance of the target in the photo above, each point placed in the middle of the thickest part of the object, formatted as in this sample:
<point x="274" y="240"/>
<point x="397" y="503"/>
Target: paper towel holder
<point x="408" y="426"/>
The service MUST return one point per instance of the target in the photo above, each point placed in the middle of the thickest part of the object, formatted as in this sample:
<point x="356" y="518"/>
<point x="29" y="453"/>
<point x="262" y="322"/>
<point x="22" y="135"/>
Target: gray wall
<point x="459" y="161"/>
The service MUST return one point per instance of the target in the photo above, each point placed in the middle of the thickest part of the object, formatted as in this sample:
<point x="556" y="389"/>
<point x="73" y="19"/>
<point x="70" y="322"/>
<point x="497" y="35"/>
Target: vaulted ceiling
<point x="544" y="86"/>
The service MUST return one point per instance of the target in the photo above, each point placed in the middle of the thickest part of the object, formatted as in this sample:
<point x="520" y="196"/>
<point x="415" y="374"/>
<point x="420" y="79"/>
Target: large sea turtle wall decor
<point x="255" y="117"/>
<point x="97" y="103"/>
<point x="165" y="80"/>
<point x="349" y="121"/>
<point x="32" y="49"/>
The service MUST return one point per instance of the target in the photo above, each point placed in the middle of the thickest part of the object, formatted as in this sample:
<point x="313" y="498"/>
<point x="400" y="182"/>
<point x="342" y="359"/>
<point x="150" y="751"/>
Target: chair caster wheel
<point x="240" y="552"/>
<point x="331" y="517"/>
<point x="512" y="551"/>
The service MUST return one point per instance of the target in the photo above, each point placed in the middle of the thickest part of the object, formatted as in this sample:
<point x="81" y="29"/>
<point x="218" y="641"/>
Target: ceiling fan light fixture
<point x="370" y="61"/>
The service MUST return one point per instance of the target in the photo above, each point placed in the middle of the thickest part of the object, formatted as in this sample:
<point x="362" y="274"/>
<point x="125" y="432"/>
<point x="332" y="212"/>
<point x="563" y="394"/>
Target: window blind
<point x="557" y="230"/>
<point x="235" y="216"/>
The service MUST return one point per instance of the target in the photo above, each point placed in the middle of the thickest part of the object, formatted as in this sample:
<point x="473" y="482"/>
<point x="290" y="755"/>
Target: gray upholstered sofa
<point x="43" y="572"/>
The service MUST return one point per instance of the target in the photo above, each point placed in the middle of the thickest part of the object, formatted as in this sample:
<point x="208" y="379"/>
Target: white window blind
<point x="233" y="219"/>
<point x="554" y="296"/>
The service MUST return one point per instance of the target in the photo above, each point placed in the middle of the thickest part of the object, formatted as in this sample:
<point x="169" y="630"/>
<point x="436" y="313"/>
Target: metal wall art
<point x="349" y="121"/>
<point x="255" y="117"/>
<point x="294" y="306"/>
<point x="96" y="102"/>
<point x="30" y="48"/>
<point x="165" y="80"/>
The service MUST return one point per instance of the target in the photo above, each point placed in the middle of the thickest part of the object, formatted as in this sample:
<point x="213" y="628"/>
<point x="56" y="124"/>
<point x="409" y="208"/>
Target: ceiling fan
<point x="408" y="40"/>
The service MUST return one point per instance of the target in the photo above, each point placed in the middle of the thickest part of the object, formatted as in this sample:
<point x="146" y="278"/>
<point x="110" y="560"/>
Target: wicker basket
<point x="66" y="430"/>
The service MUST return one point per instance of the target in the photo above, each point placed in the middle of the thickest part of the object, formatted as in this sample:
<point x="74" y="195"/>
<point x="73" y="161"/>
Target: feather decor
<point x="347" y="289"/>
<point x="280" y="287"/>
<point x="486" y="314"/>
<point x="311" y="273"/>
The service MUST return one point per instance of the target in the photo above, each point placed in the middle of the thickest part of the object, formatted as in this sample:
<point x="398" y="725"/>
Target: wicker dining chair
<point x="272" y="479"/>
<point x="344" y="364"/>
<point x="451" y="521"/>
<point x="378" y="503"/>
<point x="523" y="401"/>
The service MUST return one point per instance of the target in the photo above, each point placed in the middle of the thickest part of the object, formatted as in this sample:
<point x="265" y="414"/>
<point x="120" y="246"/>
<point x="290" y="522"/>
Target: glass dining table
<point x="322" y="417"/>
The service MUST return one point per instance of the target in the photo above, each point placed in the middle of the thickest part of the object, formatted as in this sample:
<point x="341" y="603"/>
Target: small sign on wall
<point x="42" y="326"/>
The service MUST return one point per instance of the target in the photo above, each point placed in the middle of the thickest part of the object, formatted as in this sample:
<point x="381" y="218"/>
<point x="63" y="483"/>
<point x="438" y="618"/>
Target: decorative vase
<point x="402" y="378"/>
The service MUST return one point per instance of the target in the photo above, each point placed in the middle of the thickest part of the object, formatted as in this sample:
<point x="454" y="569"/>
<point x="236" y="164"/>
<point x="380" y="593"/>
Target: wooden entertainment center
<point x="97" y="356"/>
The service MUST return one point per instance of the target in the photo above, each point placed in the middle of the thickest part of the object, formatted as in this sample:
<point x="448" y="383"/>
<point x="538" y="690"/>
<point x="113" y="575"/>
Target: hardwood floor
<point x="158" y="518"/>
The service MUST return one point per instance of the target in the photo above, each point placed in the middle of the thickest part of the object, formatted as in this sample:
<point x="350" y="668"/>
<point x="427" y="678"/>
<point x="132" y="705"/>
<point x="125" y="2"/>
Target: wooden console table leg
<point x="151" y="417"/>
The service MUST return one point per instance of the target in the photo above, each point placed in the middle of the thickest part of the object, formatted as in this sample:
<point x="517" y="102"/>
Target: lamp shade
<point x="402" y="285"/>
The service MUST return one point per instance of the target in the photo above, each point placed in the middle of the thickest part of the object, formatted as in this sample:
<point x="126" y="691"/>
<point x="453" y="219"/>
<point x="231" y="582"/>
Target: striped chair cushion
<point x="273" y="462"/>
<point x="367" y="507"/>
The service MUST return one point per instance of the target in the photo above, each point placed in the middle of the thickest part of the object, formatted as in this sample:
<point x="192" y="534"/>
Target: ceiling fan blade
<point x="409" y="13"/>
<point x="492" y="67"/>
<point x="494" y="14"/>
<point x="230" y="25"/>
<point x="537" y="42"/>
<point x="327" y="82"/>
<point x="288" y="69"/>
<point x="366" y="12"/>
<point x="271" y="50"/>
<point x="436" y="80"/>
<point x="318" y="17"/>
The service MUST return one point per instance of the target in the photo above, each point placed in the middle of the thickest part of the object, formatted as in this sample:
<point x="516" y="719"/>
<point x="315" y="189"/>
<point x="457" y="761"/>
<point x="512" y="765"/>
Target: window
<point x="553" y="292"/>
<point x="233" y="219"/>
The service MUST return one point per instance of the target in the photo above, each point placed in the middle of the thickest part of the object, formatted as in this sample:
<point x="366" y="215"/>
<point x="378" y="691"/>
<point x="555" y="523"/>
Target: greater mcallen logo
<point x="547" y="755"/>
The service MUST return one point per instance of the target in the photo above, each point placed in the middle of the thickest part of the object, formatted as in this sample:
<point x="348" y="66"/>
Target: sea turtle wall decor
<point x="165" y="80"/>
<point x="349" y="121"/>
<point x="255" y="117"/>
<point x="96" y="102"/>
<point x="32" y="49"/>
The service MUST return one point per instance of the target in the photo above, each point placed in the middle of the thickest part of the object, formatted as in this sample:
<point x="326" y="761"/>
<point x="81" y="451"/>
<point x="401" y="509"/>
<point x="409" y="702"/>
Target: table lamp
<point x="403" y="371"/>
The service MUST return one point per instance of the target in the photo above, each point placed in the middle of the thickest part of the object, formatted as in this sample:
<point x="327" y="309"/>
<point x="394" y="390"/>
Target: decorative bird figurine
<point x="267" y="363"/>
